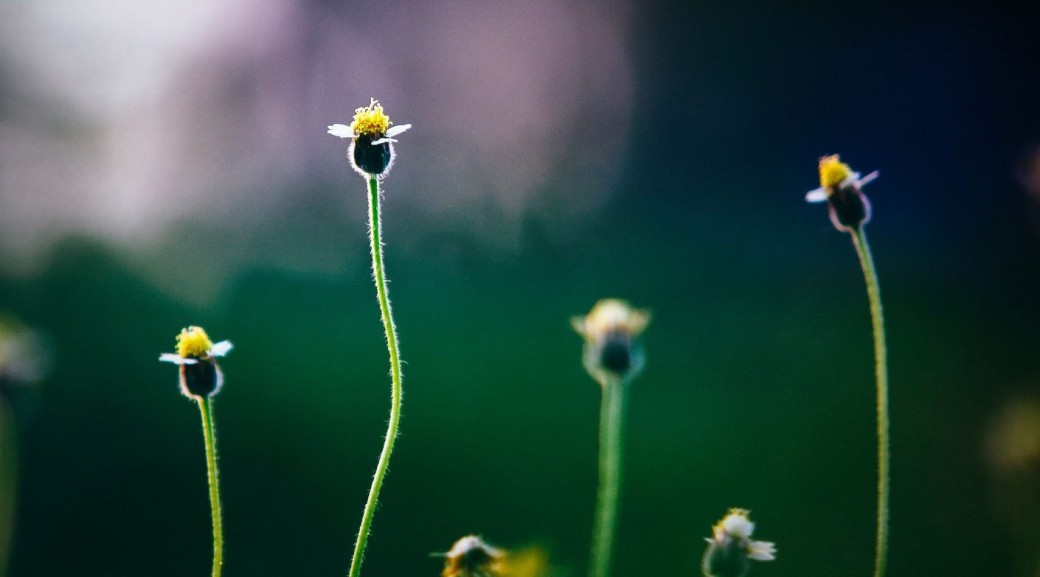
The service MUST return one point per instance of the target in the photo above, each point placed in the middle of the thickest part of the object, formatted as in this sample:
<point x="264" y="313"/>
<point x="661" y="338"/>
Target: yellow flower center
<point x="370" y="120"/>
<point x="193" y="343"/>
<point x="833" y="171"/>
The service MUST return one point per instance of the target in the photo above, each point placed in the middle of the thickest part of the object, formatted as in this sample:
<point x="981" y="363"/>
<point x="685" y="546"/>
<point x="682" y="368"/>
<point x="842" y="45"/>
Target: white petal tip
<point x="818" y="195"/>
<point x="220" y="349"/>
<point x="395" y="130"/>
<point x="176" y="359"/>
<point x="869" y="178"/>
<point x="762" y="551"/>
<point x="382" y="140"/>
<point x="341" y="130"/>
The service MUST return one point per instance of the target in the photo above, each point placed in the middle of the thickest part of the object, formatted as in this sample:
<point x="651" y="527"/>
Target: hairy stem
<point x="866" y="261"/>
<point x="610" y="425"/>
<point x="395" y="376"/>
<point x="210" y="434"/>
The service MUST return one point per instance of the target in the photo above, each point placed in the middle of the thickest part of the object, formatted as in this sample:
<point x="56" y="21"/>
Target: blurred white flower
<point x="730" y="546"/>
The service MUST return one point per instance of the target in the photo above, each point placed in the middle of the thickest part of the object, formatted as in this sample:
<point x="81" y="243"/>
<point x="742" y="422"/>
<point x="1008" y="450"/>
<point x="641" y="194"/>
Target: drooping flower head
<point x="372" y="136"/>
<point x="196" y="355"/>
<point x="842" y="189"/>
<point x="470" y="556"/>
<point x="612" y="348"/>
<point x="730" y="546"/>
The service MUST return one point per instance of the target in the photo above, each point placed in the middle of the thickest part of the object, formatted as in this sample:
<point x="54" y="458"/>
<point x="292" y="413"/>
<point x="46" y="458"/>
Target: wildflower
<point x="842" y="189"/>
<point x="730" y="546"/>
<point x="372" y="136"/>
<point x="196" y="355"/>
<point x="611" y="331"/>
<point x="470" y="556"/>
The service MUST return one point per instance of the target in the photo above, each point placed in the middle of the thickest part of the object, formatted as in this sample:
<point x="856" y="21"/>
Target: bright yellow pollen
<point x="833" y="171"/>
<point x="193" y="343"/>
<point x="370" y="120"/>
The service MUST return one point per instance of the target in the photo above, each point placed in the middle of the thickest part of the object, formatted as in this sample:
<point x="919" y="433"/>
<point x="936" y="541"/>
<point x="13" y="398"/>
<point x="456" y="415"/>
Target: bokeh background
<point x="165" y="164"/>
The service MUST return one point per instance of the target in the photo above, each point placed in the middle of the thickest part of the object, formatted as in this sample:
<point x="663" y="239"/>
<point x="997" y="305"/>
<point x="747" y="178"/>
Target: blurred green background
<point x="758" y="391"/>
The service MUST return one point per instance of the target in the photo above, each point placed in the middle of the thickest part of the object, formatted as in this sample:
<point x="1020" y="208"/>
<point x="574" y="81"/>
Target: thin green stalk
<point x="395" y="376"/>
<point x="611" y="419"/>
<point x="866" y="261"/>
<point x="210" y="434"/>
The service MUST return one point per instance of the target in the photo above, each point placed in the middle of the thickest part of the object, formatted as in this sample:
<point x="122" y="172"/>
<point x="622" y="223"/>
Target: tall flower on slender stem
<point x="371" y="154"/>
<point x="613" y="356"/>
<point x="849" y="209"/>
<point x="200" y="380"/>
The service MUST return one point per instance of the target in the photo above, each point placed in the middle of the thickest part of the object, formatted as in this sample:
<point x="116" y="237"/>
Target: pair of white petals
<point x="344" y="131"/>
<point x="220" y="349"/>
<point x="820" y="194"/>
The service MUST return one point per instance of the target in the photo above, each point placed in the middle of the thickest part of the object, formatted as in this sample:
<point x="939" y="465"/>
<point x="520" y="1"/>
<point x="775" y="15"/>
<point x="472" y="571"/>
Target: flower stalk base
<point x="866" y="260"/>
<point x="376" y="237"/>
<point x="210" y="435"/>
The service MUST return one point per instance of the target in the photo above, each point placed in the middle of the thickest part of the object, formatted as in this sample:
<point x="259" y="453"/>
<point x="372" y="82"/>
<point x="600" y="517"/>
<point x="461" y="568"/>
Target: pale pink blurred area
<point x="187" y="134"/>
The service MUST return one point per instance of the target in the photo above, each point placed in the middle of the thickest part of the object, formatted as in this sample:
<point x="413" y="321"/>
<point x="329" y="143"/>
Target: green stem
<point x="395" y="376"/>
<point x="210" y="434"/>
<point x="610" y="424"/>
<point x="866" y="261"/>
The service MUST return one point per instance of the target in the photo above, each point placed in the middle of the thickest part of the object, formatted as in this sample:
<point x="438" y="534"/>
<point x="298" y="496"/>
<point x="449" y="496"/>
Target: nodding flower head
<point x="372" y="137"/>
<point x="842" y="189"/>
<point x="611" y="330"/>
<point x="470" y="556"/>
<point x="730" y="546"/>
<point x="196" y="356"/>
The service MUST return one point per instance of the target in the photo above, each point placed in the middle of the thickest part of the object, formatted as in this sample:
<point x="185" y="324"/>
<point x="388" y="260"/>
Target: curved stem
<point x="866" y="261"/>
<point x="610" y="423"/>
<point x="210" y="434"/>
<point x="395" y="376"/>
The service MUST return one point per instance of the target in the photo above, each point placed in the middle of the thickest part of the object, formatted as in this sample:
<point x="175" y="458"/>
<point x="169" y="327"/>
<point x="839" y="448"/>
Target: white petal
<point x="817" y="195"/>
<point x="382" y="140"/>
<point x="176" y="359"/>
<point x="341" y="130"/>
<point x="868" y="178"/>
<point x="220" y="349"/>
<point x="761" y="551"/>
<point x="395" y="130"/>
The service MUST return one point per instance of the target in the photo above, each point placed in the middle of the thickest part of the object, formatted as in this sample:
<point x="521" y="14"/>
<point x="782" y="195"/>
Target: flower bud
<point x="196" y="355"/>
<point x="842" y="188"/>
<point x="371" y="147"/>
<point x="612" y="348"/>
<point x="730" y="547"/>
<point x="470" y="556"/>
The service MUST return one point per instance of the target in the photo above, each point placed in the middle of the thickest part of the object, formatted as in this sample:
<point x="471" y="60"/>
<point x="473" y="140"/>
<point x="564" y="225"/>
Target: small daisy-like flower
<point x="196" y="355"/>
<point x="612" y="348"/>
<point x="470" y="556"/>
<point x="730" y="547"/>
<point x="372" y="136"/>
<point x="842" y="189"/>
